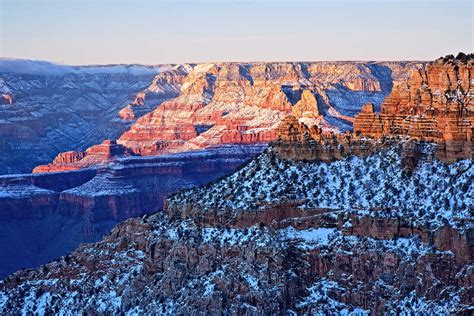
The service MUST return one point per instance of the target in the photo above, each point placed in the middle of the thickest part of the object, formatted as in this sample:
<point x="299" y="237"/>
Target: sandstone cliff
<point x="106" y="152"/>
<point x="435" y="104"/>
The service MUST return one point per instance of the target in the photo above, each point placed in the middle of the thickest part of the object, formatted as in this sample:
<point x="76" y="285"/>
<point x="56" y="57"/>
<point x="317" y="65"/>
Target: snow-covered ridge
<point x="435" y="193"/>
<point x="39" y="67"/>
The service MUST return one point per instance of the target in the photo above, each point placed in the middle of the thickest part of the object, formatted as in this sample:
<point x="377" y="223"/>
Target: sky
<point x="79" y="32"/>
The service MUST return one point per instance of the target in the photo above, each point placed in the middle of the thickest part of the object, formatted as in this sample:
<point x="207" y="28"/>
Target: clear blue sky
<point x="154" y="31"/>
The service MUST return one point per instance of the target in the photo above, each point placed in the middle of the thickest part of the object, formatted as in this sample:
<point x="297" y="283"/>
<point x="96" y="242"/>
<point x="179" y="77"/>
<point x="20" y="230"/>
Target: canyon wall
<point x="243" y="103"/>
<point x="49" y="214"/>
<point x="48" y="109"/>
<point x="435" y="104"/>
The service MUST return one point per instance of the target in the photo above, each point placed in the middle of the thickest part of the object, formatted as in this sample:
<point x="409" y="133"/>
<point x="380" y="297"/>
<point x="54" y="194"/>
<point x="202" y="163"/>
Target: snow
<point x="203" y="67"/>
<point x="319" y="300"/>
<point x="109" y="301"/>
<point x="319" y="236"/>
<point x="43" y="303"/>
<point x="413" y="304"/>
<point x="209" y="285"/>
<point x="235" y="236"/>
<point x="434" y="194"/>
<point x="3" y="300"/>
<point x="251" y="281"/>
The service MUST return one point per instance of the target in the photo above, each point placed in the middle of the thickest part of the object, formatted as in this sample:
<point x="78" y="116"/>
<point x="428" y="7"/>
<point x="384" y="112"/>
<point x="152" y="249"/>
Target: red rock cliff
<point x="436" y="104"/>
<point x="242" y="103"/>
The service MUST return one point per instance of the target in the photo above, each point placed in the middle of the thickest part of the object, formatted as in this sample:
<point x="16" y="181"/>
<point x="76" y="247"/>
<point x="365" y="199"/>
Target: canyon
<point x="324" y="220"/>
<point x="356" y="235"/>
<point x="50" y="214"/>
<point x="92" y="118"/>
<point x="239" y="103"/>
<point x="56" y="108"/>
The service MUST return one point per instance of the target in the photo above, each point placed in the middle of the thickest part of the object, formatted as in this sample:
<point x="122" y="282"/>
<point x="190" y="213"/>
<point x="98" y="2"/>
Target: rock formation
<point x="307" y="106"/>
<point x="298" y="141"/>
<point x="436" y="104"/>
<point x="164" y="86"/>
<point x="127" y="113"/>
<point x="368" y="122"/>
<point x="6" y="99"/>
<point x="106" y="152"/>
<point x="243" y="103"/>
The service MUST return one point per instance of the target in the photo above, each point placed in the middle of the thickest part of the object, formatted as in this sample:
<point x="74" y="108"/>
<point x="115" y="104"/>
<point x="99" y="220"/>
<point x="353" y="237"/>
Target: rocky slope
<point x="357" y="235"/>
<point x="243" y="103"/>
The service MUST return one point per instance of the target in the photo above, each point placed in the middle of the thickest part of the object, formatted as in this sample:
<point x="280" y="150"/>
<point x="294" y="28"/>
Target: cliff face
<point x="436" y="104"/>
<point x="106" y="152"/>
<point x="49" y="214"/>
<point x="57" y="110"/>
<point x="356" y="234"/>
<point x="298" y="141"/>
<point x="243" y="103"/>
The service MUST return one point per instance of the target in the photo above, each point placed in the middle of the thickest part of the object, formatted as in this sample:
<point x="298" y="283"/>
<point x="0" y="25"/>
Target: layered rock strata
<point x="243" y="103"/>
<point x="106" y="152"/>
<point x="59" y="108"/>
<point x="298" y="141"/>
<point x="436" y="104"/>
<point x="49" y="214"/>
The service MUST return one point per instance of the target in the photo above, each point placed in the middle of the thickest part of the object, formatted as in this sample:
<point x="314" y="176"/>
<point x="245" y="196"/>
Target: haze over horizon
<point x="163" y="32"/>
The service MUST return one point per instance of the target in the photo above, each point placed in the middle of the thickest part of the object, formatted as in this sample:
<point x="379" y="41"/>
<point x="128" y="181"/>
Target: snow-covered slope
<point x="435" y="192"/>
<point x="353" y="237"/>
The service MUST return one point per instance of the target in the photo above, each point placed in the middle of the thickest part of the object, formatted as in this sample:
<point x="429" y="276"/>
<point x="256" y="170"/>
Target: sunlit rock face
<point x="435" y="104"/>
<point x="6" y="99"/>
<point x="105" y="152"/>
<point x="243" y="103"/>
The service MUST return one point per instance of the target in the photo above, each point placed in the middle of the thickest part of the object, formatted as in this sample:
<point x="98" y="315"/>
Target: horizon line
<point x="58" y="63"/>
